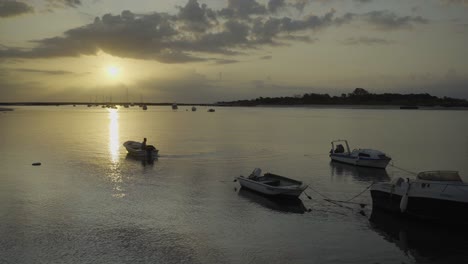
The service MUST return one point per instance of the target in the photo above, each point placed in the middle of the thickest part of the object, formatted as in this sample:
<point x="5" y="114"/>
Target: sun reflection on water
<point x="114" y="135"/>
<point x="115" y="176"/>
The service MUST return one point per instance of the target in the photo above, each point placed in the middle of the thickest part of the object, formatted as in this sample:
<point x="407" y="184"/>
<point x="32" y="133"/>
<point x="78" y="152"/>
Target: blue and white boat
<point x="358" y="157"/>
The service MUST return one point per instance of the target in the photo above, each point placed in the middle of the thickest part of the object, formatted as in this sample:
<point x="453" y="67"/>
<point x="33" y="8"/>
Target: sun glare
<point x="113" y="71"/>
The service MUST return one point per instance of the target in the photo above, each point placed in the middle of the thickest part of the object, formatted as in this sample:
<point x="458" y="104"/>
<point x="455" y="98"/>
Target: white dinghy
<point x="271" y="184"/>
<point x="134" y="149"/>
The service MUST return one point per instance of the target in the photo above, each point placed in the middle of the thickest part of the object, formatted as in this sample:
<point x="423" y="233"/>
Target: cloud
<point x="300" y="4"/>
<point x="265" y="31"/>
<point x="242" y="9"/>
<point x="10" y="8"/>
<point x="48" y="72"/>
<point x="366" y="41"/>
<point x="195" y="17"/>
<point x="275" y="5"/>
<point x="455" y="2"/>
<point x="64" y="3"/>
<point x="386" y="20"/>
<point x="196" y="31"/>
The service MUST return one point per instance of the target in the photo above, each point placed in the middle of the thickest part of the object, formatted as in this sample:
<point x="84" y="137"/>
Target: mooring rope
<point x="407" y="171"/>
<point x="359" y="194"/>
<point x="336" y="202"/>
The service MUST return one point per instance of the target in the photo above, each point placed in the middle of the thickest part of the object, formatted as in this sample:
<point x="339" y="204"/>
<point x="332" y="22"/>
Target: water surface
<point x="90" y="203"/>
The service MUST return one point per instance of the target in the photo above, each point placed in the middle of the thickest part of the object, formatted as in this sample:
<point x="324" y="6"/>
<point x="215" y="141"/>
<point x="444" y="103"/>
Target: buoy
<point x="36" y="164"/>
<point x="404" y="199"/>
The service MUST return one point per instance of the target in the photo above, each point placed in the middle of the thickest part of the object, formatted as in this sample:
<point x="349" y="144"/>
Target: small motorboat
<point x="194" y="109"/>
<point x="271" y="184"/>
<point x="433" y="195"/>
<point x="174" y="106"/>
<point x="358" y="157"/>
<point x="144" y="107"/>
<point x="211" y="110"/>
<point x="134" y="149"/>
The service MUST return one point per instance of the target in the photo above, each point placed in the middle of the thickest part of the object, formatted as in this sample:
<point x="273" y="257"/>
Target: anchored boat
<point x="271" y="184"/>
<point x="433" y="195"/>
<point x="358" y="157"/>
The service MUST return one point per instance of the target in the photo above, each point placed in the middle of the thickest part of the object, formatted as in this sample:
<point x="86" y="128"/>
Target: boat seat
<point x="272" y="182"/>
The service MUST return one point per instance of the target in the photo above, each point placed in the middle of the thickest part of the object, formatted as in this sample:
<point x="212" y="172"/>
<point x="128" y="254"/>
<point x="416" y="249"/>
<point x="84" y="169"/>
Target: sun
<point x="113" y="71"/>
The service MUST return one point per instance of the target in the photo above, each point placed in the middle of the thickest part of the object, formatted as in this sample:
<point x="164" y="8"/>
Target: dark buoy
<point x="36" y="164"/>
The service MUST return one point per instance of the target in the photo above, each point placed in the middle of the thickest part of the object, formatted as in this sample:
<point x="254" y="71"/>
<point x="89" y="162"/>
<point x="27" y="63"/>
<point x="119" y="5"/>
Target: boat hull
<point x="372" y="163"/>
<point x="422" y="207"/>
<point x="289" y="191"/>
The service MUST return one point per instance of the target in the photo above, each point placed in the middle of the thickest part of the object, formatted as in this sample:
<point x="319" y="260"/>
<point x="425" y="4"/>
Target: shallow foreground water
<point x="90" y="203"/>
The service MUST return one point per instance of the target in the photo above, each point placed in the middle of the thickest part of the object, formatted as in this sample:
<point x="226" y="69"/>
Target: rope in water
<point x="336" y="202"/>
<point x="407" y="171"/>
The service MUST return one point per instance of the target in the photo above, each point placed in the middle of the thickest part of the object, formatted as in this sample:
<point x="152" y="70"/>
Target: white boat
<point x="436" y="195"/>
<point x="358" y="157"/>
<point x="271" y="184"/>
<point x="134" y="149"/>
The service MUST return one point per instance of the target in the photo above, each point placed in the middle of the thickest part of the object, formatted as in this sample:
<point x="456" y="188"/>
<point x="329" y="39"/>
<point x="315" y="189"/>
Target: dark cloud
<point x="456" y="2"/>
<point x="48" y="72"/>
<point x="386" y="20"/>
<point x="197" y="31"/>
<point x="299" y="4"/>
<point x="275" y="5"/>
<point x="9" y="8"/>
<point x="196" y="17"/>
<point x="242" y="9"/>
<point x="265" y="31"/>
<point x="64" y="3"/>
<point x="225" y="61"/>
<point x="366" y="41"/>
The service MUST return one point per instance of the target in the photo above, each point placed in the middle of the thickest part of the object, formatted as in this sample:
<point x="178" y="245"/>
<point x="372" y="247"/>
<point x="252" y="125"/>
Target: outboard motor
<point x="149" y="152"/>
<point x="255" y="173"/>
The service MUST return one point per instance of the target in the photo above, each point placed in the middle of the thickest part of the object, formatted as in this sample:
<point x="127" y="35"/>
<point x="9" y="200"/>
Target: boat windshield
<point x="452" y="176"/>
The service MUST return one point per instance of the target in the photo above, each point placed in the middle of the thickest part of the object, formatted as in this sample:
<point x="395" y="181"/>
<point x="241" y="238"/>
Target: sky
<point x="205" y="51"/>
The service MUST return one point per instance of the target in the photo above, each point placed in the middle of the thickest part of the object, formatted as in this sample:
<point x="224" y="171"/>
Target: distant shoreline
<point x="316" y="106"/>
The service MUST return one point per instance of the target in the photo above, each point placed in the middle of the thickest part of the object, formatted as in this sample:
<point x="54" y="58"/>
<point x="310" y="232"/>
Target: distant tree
<point x="360" y="92"/>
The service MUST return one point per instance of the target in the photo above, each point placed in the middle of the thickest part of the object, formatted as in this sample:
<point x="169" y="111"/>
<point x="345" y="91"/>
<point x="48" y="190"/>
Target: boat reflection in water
<point x="359" y="173"/>
<point x="280" y="204"/>
<point x="424" y="242"/>
<point x="143" y="160"/>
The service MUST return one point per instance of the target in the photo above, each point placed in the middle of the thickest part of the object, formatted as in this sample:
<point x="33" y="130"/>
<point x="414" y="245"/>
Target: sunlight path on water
<point x="114" y="173"/>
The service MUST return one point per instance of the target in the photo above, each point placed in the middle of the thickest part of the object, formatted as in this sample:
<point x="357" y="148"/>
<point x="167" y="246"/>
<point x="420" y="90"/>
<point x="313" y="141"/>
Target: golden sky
<point x="198" y="51"/>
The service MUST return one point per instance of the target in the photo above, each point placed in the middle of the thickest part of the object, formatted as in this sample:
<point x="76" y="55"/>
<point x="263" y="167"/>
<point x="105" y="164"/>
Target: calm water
<point x="90" y="203"/>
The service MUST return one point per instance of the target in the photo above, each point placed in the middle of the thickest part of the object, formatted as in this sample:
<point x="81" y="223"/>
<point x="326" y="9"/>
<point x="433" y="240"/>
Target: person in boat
<point x="143" y="144"/>
<point x="339" y="149"/>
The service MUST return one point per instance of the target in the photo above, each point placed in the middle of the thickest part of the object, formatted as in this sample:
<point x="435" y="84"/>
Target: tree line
<point x="359" y="96"/>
